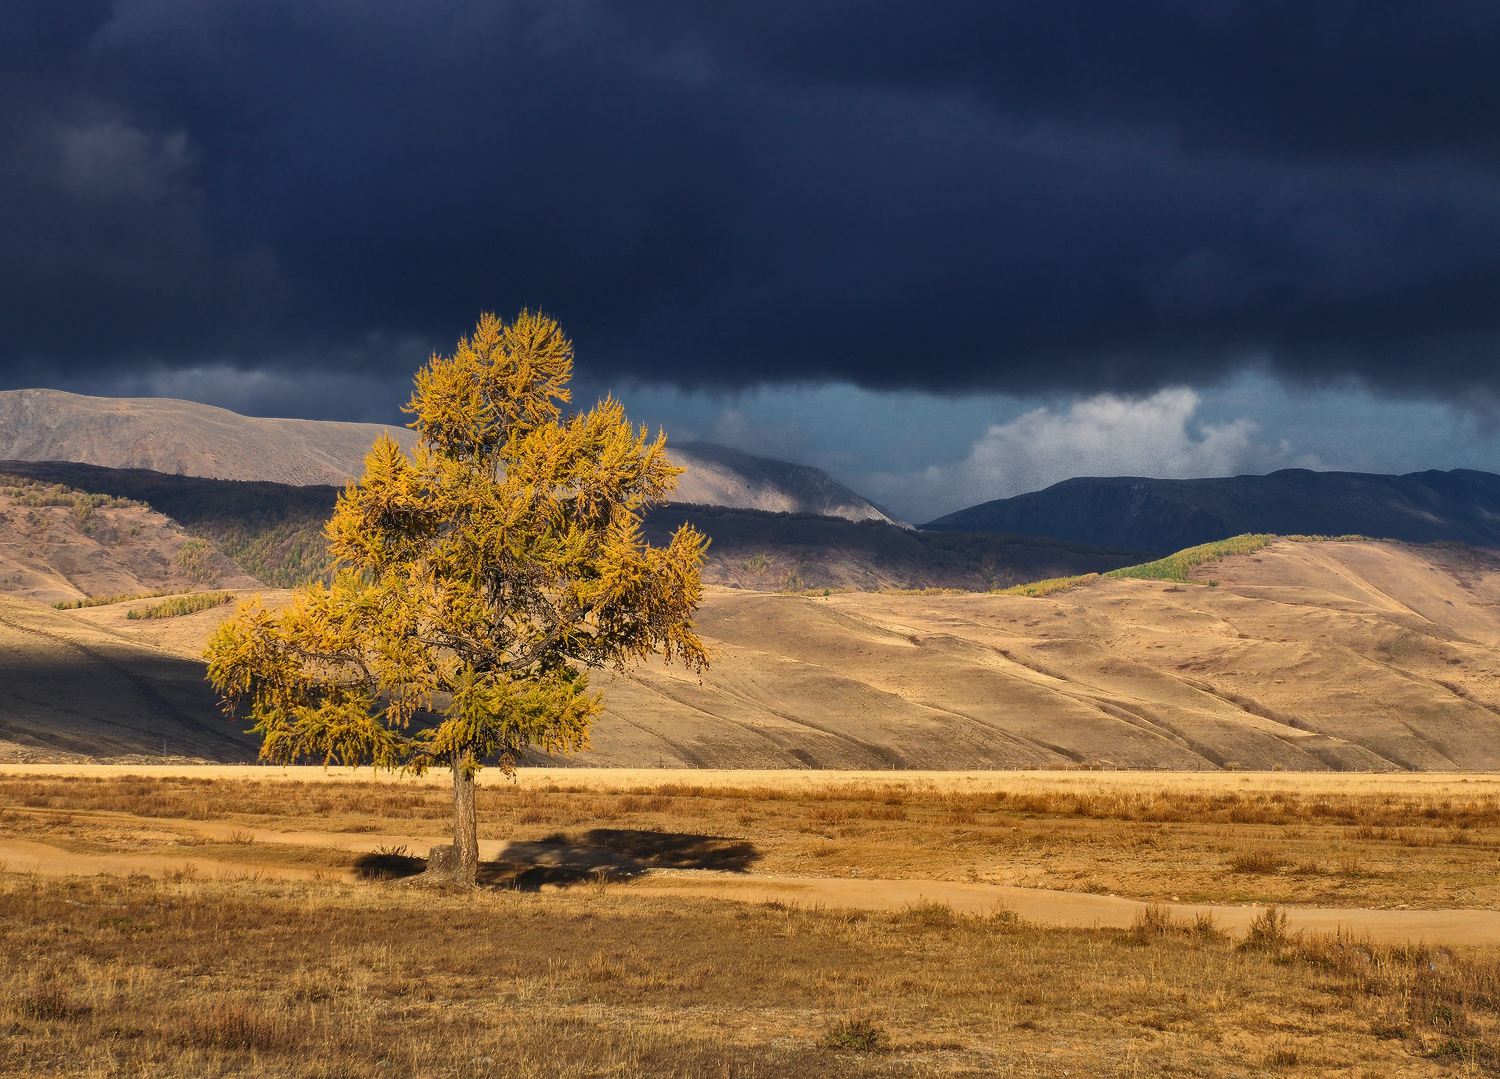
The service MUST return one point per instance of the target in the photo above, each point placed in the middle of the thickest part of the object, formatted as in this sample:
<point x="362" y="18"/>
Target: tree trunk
<point x="465" y="830"/>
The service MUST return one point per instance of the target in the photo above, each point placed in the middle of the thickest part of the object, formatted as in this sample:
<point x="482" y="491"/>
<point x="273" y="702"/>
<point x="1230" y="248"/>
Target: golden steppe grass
<point x="180" y="975"/>
<point x="106" y="977"/>
<point x="1222" y="839"/>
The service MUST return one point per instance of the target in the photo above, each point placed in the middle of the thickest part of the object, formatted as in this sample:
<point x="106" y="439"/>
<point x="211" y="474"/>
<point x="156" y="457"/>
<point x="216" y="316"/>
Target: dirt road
<point x="1038" y="905"/>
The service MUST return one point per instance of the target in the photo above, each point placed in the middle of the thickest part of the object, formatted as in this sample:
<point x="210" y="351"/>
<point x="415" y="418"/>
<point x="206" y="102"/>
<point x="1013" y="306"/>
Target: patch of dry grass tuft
<point x="859" y="1033"/>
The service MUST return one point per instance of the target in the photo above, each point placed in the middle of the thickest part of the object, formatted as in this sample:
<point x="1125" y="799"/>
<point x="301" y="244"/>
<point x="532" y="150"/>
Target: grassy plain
<point x="1209" y="838"/>
<point x="563" y="971"/>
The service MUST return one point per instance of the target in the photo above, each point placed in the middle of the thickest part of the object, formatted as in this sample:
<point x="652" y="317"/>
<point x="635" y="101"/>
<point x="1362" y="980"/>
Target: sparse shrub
<point x="1152" y="920"/>
<point x="858" y="1033"/>
<point x="1206" y="925"/>
<point x="1267" y="930"/>
<point x="1262" y="860"/>
<point x="927" y="914"/>
<point x="1282" y="1055"/>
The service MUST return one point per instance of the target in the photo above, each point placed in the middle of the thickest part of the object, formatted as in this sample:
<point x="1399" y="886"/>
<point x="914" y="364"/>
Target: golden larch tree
<point x="475" y="582"/>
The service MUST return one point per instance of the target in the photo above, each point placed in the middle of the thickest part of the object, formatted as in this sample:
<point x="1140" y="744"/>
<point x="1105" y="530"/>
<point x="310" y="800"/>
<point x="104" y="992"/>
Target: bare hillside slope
<point x="58" y="544"/>
<point x="73" y="689"/>
<point x="182" y="438"/>
<point x="1306" y="656"/>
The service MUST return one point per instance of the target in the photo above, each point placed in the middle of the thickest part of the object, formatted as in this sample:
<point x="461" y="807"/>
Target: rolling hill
<point x="1307" y="655"/>
<point x="1162" y="516"/>
<point x="75" y="691"/>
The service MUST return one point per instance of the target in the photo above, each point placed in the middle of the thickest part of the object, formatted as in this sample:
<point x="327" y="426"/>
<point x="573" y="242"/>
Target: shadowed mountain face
<point x="275" y="533"/>
<point x="1167" y="515"/>
<point x="774" y="552"/>
<point x="73" y="689"/>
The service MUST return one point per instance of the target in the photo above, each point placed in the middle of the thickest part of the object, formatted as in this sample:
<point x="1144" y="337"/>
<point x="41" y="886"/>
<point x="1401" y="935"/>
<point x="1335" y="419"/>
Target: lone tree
<point x="474" y="582"/>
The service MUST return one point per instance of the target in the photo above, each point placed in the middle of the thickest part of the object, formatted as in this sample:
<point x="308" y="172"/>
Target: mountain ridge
<point x="275" y="533"/>
<point x="173" y="437"/>
<point x="1162" y="516"/>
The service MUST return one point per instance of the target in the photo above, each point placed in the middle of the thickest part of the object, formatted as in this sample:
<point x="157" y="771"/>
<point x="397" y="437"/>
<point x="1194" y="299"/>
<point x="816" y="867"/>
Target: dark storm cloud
<point x="1096" y="195"/>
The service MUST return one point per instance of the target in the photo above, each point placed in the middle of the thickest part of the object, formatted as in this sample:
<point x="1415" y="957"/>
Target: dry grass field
<point x="269" y="925"/>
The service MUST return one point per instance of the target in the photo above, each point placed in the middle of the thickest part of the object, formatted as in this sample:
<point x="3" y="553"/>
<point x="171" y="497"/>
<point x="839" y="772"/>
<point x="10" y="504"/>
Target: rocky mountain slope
<point x="60" y="544"/>
<point x="1167" y="515"/>
<point x="1337" y="655"/>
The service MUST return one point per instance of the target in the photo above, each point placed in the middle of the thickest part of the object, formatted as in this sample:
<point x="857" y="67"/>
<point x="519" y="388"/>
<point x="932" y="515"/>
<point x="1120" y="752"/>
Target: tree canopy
<point x="475" y="582"/>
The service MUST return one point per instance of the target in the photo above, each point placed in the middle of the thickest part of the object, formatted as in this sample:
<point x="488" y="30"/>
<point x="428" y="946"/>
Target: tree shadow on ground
<point x="562" y="860"/>
<point x="388" y="865"/>
<point x="612" y="853"/>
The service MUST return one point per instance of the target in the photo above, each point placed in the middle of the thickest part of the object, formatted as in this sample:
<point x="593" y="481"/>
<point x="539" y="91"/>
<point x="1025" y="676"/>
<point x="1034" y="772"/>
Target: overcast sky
<point x="948" y="251"/>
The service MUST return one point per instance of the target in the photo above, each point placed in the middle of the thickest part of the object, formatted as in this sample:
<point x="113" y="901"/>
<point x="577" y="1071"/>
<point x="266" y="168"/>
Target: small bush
<point x="1206" y="925"/>
<point x="1267" y="930"/>
<point x="1282" y="1055"/>
<point x="857" y="1033"/>
<point x="927" y="913"/>
<point x="1151" y="921"/>
<point x="1258" y="861"/>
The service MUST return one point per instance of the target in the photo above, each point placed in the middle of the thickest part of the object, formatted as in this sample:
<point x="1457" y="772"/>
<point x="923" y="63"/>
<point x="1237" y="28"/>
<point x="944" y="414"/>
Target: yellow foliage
<point x="477" y="579"/>
<point x="1048" y="587"/>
